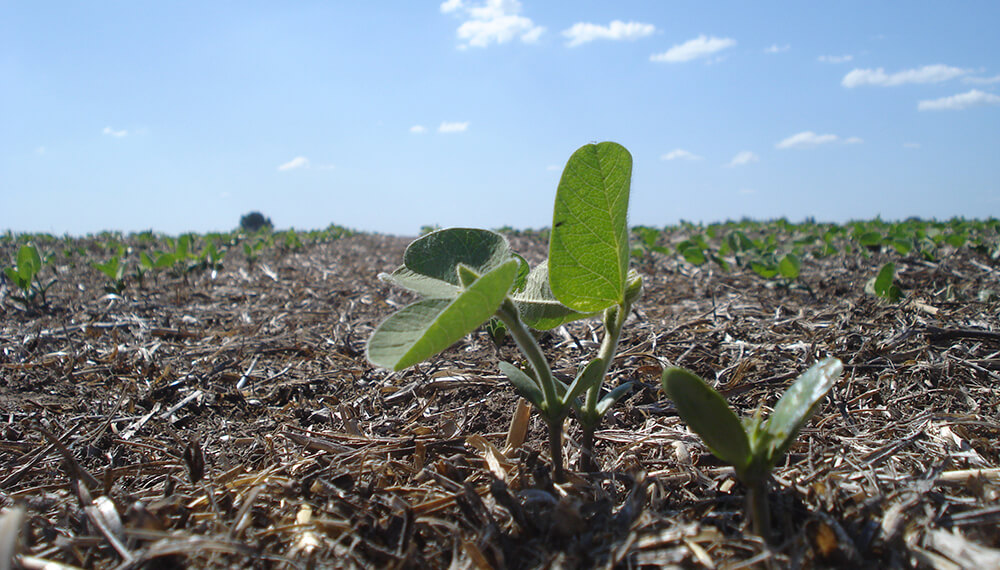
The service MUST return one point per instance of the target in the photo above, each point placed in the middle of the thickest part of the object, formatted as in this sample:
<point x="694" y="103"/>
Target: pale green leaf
<point x="427" y="327"/>
<point x="422" y="284"/>
<point x="538" y="307"/>
<point x="439" y="253"/>
<point x="588" y="248"/>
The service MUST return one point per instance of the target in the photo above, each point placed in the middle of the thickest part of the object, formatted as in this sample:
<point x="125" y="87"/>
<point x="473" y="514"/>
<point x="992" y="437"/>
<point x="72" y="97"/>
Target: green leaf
<point x="590" y="375"/>
<point x="524" y="384"/>
<point x="884" y="286"/>
<point x="633" y="288"/>
<point x="439" y="253"/>
<point x="427" y="327"/>
<point x="29" y="263"/>
<point x="613" y="396"/>
<point x="789" y="266"/>
<point x="797" y="405"/>
<point x="538" y="307"/>
<point x="427" y="286"/>
<point x="588" y="248"/>
<point x="706" y="412"/>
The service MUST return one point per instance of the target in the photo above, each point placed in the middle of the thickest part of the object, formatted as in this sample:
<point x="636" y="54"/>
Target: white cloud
<point x="743" y="157"/>
<point x="926" y="74"/>
<point x="775" y="48"/>
<point x="809" y="139"/>
<point x="747" y="191"/>
<point x="835" y="58"/>
<point x="447" y="127"/>
<point x="911" y="145"/>
<point x="583" y="32"/>
<point x="982" y="80"/>
<point x="702" y="46"/>
<point x="297" y="162"/>
<point x="679" y="154"/>
<point x="113" y="133"/>
<point x="493" y="21"/>
<point x="974" y="98"/>
<point x="418" y="129"/>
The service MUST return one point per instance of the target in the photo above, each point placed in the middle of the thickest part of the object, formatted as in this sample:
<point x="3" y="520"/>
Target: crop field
<point x="208" y="401"/>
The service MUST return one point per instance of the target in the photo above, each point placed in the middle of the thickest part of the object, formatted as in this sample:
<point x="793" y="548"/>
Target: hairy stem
<point x="554" y="413"/>
<point x="614" y="320"/>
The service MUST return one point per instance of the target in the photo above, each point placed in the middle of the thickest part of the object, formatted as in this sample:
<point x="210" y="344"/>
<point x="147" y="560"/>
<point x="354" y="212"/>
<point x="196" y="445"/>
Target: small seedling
<point x="883" y="285"/>
<point x="114" y="270"/>
<point x="468" y="276"/>
<point x="752" y="447"/>
<point x="24" y="274"/>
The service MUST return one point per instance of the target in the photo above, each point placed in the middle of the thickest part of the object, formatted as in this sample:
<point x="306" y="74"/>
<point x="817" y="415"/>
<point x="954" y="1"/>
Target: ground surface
<point x="234" y="422"/>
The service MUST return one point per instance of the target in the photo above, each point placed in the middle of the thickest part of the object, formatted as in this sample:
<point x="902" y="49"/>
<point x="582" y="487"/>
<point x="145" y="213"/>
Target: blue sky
<point x="387" y="116"/>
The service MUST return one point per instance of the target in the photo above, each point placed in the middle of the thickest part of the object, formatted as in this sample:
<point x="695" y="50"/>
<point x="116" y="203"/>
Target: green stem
<point x="614" y="320"/>
<point x="760" y="511"/>
<point x="554" y="412"/>
<point x="529" y="347"/>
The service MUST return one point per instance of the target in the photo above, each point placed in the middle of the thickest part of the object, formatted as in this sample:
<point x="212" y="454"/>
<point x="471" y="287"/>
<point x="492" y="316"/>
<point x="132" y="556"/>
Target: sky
<point x="386" y="116"/>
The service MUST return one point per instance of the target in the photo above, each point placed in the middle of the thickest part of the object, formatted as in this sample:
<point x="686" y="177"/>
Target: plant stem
<point x="614" y="320"/>
<point x="758" y="508"/>
<point x="553" y="413"/>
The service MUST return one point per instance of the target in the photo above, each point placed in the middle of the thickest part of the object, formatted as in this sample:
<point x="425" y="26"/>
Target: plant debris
<point x="230" y="419"/>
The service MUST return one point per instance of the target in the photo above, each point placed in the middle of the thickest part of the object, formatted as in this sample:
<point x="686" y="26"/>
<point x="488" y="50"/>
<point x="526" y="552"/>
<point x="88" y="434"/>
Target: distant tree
<point x="254" y="222"/>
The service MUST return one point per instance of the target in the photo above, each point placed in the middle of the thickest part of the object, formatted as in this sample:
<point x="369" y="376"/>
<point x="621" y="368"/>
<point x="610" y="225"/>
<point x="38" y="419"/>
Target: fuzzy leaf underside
<point x="797" y="405"/>
<point x="538" y="307"/>
<point x="439" y="253"/>
<point x="429" y="326"/>
<point x="426" y="286"/>
<point x="705" y="411"/>
<point x="588" y="248"/>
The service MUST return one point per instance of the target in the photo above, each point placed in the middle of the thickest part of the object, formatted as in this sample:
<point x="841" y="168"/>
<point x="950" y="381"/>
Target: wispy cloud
<point x="835" y="58"/>
<point x="583" y="32"/>
<point x="700" y="47"/>
<point x="982" y="80"/>
<point x="775" y="48"/>
<point x="679" y="154"/>
<point x="493" y="21"/>
<point x="743" y="157"/>
<point x="974" y="98"/>
<point x="926" y="74"/>
<point x="455" y="127"/>
<point x="114" y="133"/>
<point x="418" y="129"/>
<point x="911" y="145"/>
<point x="297" y="162"/>
<point x="809" y="139"/>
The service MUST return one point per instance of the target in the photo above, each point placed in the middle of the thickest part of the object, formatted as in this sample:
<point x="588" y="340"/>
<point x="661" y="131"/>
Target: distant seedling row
<point x="775" y="250"/>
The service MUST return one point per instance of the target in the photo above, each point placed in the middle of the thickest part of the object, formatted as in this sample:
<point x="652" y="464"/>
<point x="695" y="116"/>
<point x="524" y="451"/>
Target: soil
<point x="232" y="420"/>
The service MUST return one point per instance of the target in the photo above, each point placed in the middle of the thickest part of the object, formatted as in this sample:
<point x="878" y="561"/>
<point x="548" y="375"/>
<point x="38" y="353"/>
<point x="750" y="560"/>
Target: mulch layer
<point x="232" y="421"/>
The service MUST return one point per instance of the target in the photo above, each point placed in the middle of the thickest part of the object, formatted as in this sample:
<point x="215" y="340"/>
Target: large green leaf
<point x="797" y="405"/>
<point x="588" y="248"/>
<point x="538" y="307"/>
<point x="439" y="253"/>
<point x="706" y="412"/>
<point x="425" y="328"/>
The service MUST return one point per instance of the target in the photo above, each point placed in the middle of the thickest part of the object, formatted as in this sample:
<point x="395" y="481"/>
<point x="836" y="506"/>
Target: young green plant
<point x="24" y="274"/>
<point x="469" y="276"/>
<point x="752" y="447"/>
<point x="114" y="270"/>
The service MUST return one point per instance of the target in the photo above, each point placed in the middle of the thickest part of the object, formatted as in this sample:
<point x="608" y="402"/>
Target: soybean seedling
<point x="114" y="270"/>
<point x="752" y="447"/>
<point x="24" y="274"/>
<point x="468" y="276"/>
